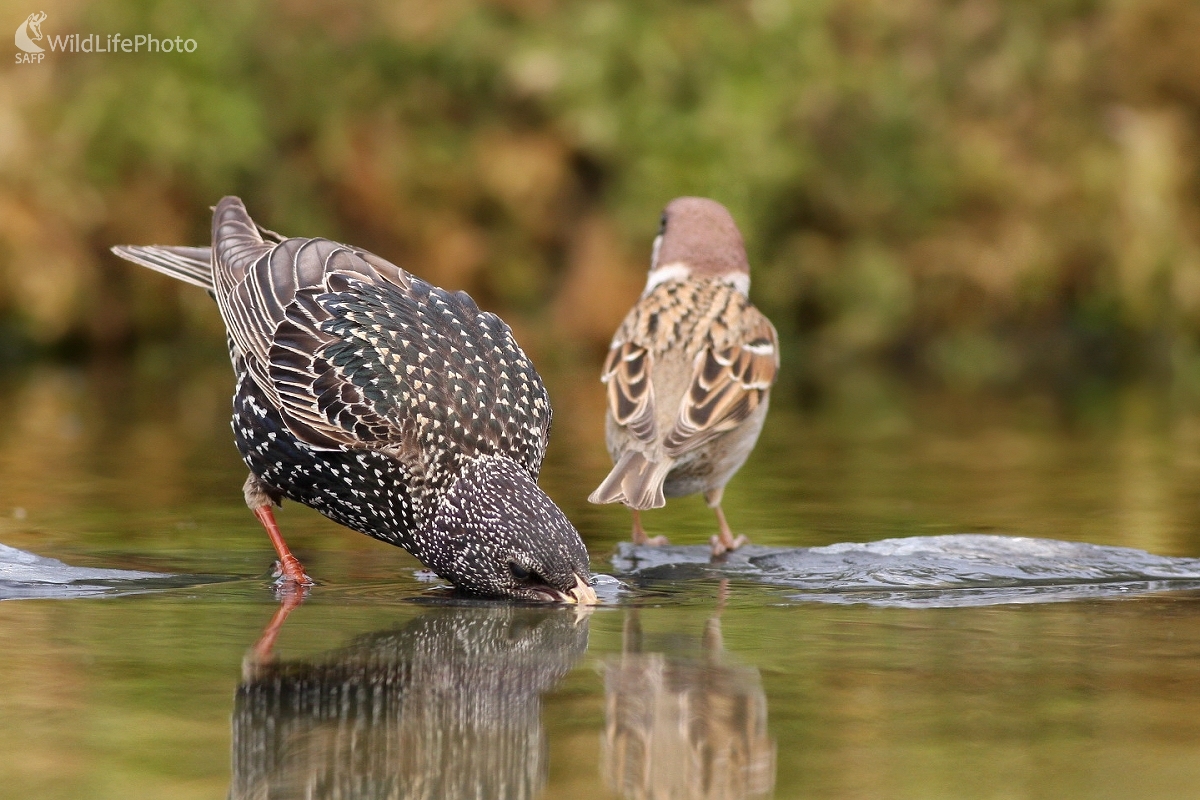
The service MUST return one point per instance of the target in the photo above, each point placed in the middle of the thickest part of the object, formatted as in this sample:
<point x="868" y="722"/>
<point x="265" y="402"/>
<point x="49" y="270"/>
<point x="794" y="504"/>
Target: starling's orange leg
<point x="259" y="500"/>
<point x="725" y="541"/>
<point x="639" y="533"/>
<point x="292" y="571"/>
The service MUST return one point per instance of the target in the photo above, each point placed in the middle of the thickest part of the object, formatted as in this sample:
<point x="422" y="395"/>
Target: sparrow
<point x="689" y="371"/>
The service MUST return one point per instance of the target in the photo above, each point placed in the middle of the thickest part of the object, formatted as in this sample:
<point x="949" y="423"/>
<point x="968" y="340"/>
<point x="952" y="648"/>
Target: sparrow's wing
<point x="729" y="381"/>
<point x="630" y="392"/>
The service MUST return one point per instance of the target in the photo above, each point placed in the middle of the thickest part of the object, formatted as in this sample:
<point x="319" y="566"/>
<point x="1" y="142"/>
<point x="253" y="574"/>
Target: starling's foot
<point x="288" y="571"/>
<point x="288" y="591"/>
<point x="720" y="546"/>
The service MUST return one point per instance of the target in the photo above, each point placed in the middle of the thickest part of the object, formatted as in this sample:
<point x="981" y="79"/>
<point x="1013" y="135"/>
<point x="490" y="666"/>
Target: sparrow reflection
<point x="449" y="706"/>
<point x="684" y="728"/>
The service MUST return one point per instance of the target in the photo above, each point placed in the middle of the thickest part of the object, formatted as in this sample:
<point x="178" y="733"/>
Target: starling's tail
<point x="239" y="240"/>
<point x="634" y="481"/>
<point x="189" y="264"/>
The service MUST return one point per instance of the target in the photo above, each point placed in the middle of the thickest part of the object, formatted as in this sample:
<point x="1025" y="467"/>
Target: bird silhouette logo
<point x="29" y="33"/>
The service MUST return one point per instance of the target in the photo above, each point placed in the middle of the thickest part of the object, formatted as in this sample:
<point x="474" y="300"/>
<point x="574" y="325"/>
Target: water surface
<point x="706" y="683"/>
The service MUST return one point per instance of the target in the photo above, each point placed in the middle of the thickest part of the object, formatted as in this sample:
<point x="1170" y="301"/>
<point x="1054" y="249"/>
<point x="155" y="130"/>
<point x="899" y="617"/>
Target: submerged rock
<point x="928" y="571"/>
<point x="24" y="575"/>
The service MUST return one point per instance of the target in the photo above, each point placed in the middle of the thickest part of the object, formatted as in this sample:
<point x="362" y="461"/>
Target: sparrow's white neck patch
<point x="679" y="271"/>
<point x="739" y="281"/>
<point x="675" y="271"/>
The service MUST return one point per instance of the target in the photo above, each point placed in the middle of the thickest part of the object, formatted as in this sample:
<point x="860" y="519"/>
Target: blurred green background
<point x="976" y="225"/>
<point x="983" y="193"/>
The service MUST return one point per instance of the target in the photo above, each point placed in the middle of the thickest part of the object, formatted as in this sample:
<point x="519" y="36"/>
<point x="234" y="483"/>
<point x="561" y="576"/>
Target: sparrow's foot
<point x="639" y="533"/>
<point x="721" y="545"/>
<point x="724" y="541"/>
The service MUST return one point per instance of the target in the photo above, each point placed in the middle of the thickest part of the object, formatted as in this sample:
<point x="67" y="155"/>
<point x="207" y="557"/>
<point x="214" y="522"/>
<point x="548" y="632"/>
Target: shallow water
<point x="700" y="681"/>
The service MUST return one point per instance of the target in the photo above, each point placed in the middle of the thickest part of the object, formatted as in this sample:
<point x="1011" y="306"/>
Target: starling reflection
<point x="447" y="707"/>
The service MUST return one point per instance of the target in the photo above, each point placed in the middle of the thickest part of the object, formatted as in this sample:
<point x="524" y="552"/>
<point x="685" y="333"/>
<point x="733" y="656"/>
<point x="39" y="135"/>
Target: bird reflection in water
<point x="683" y="728"/>
<point x="448" y="706"/>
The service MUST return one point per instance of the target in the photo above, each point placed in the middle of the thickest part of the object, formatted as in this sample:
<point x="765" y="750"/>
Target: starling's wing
<point x="630" y="392"/>
<point x="355" y="352"/>
<point x="730" y="380"/>
<point x="438" y="371"/>
<point x="266" y="289"/>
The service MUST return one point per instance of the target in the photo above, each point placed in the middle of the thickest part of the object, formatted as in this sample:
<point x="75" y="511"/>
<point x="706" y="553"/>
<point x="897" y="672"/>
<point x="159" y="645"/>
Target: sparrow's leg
<point x="724" y="541"/>
<point x="259" y="499"/>
<point x="639" y="533"/>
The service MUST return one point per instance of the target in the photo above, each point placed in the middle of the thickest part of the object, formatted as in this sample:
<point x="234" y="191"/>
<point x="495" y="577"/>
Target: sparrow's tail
<point x="634" y="481"/>
<point x="189" y="264"/>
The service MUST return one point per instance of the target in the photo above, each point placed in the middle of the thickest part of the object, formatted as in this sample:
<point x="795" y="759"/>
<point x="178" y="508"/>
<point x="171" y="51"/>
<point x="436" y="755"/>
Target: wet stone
<point x="927" y="571"/>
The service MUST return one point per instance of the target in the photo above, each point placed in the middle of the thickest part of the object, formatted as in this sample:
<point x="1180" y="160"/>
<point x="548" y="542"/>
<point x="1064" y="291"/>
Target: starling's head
<point x="698" y="239"/>
<point x="497" y="534"/>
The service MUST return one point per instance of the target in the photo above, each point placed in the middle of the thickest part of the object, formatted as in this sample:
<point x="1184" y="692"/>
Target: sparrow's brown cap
<point x="700" y="233"/>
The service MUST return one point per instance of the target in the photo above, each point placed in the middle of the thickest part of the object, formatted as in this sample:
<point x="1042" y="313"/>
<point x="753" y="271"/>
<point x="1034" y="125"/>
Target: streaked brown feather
<point x="727" y="386"/>
<point x="735" y="357"/>
<point x="630" y="392"/>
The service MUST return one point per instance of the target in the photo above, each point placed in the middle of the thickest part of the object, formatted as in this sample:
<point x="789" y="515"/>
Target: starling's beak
<point x="583" y="594"/>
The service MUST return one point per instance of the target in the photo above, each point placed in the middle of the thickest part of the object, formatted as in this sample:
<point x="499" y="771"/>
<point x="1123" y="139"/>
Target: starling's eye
<point x="519" y="572"/>
<point x="662" y="224"/>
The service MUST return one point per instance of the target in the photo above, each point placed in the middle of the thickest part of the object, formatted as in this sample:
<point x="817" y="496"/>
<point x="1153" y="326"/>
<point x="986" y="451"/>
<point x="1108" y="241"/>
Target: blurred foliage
<point x="981" y="190"/>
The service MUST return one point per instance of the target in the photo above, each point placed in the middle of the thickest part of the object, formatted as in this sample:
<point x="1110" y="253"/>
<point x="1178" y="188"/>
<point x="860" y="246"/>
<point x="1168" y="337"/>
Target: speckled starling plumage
<point x="393" y="407"/>
<point x="689" y="372"/>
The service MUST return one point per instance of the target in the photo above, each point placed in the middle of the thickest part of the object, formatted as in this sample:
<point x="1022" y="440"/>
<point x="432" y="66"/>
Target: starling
<point x="689" y="371"/>
<point x="393" y="407"/>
